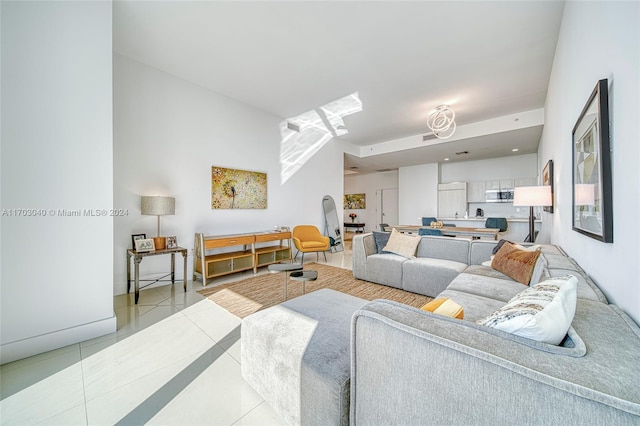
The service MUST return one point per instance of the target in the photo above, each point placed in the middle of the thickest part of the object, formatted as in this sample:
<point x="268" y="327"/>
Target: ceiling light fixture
<point x="442" y="122"/>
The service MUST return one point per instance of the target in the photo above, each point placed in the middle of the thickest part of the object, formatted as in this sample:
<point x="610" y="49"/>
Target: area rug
<point x="242" y="298"/>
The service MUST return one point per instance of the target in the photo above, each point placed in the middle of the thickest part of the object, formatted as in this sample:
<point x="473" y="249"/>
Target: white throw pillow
<point x="542" y="312"/>
<point x="403" y="245"/>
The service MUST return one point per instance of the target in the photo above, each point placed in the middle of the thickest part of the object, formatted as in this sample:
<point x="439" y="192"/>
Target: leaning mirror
<point x="331" y="223"/>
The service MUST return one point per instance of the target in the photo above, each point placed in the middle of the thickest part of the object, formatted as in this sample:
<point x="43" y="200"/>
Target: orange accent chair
<point x="308" y="239"/>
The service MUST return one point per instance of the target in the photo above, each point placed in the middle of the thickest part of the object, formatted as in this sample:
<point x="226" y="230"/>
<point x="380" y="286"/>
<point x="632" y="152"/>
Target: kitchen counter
<point x="483" y="219"/>
<point x="517" y="227"/>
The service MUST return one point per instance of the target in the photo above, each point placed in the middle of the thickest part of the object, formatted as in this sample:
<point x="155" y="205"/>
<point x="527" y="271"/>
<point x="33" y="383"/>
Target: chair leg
<point x="325" y="255"/>
<point x="302" y="261"/>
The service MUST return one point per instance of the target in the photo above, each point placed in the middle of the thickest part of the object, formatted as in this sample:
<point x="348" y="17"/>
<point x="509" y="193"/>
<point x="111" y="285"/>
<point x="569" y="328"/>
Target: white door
<point x="387" y="207"/>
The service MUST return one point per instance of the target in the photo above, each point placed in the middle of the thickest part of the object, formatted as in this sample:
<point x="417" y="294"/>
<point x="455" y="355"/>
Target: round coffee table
<point x="304" y="276"/>
<point x="286" y="268"/>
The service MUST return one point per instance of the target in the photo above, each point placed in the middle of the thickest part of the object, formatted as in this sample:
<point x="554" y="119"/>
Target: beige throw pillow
<point x="403" y="245"/>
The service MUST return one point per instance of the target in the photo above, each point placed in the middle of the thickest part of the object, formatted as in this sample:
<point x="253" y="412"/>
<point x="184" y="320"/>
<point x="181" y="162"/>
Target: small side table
<point x="359" y="226"/>
<point x="137" y="258"/>
<point x="304" y="276"/>
<point x="286" y="268"/>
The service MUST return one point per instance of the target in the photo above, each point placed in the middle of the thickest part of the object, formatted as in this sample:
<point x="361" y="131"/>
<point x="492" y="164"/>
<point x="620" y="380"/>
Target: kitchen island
<point x="517" y="229"/>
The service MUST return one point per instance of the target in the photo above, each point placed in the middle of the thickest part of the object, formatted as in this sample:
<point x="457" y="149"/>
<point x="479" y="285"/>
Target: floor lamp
<point x="158" y="206"/>
<point x="532" y="196"/>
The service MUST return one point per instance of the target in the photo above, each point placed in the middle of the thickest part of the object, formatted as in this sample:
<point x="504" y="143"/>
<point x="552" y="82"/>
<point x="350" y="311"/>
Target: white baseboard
<point x="47" y="342"/>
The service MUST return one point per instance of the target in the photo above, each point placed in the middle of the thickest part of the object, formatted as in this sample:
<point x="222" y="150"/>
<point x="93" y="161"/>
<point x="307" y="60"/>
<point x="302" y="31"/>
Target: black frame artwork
<point x="592" y="193"/>
<point x="135" y="237"/>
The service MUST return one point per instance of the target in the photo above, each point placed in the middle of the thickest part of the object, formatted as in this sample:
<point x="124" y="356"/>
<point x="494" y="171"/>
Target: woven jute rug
<point x="250" y="295"/>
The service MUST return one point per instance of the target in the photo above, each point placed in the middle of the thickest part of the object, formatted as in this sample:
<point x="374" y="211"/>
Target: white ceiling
<point x="486" y="59"/>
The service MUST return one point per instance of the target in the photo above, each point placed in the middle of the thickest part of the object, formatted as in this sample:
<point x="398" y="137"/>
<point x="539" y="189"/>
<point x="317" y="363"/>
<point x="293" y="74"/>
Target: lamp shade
<point x="157" y="206"/>
<point x="585" y="194"/>
<point x="532" y="196"/>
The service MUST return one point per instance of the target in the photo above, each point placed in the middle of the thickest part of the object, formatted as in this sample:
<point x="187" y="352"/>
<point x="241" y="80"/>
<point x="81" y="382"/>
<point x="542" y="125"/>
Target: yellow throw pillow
<point x="445" y="306"/>
<point x="515" y="263"/>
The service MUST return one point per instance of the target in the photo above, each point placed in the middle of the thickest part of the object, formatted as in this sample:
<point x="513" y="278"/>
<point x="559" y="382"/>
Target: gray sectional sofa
<point x="383" y="363"/>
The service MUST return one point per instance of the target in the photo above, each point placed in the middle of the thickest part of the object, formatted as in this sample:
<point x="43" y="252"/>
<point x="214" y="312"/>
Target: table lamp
<point x="532" y="196"/>
<point x="158" y="206"/>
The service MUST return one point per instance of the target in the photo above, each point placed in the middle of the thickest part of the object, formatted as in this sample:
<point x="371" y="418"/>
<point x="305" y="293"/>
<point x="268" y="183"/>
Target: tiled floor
<point x="174" y="360"/>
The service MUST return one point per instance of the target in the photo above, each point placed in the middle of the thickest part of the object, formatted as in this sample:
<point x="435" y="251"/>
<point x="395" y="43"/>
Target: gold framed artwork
<point x="355" y="201"/>
<point x="238" y="189"/>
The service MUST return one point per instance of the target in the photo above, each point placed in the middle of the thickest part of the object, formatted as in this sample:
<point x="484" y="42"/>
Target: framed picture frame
<point x="355" y="201"/>
<point x="592" y="193"/>
<point x="136" y="237"/>
<point x="172" y="242"/>
<point x="144" y="245"/>
<point x="547" y="179"/>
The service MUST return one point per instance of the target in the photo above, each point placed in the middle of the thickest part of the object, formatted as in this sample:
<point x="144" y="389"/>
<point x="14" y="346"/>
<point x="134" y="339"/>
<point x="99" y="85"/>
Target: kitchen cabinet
<point x="452" y="199"/>
<point x="499" y="185"/>
<point x="492" y="185"/>
<point x="476" y="192"/>
<point x="506" y="184"/>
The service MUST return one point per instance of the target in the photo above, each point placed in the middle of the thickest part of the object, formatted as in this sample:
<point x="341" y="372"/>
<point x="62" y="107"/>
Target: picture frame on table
<point x="592" y="186"/>
<point x="547" y="179"/>
<point x="135" y="237"/>
<point x="172" y="242"/>
<point x="145" y="245"/>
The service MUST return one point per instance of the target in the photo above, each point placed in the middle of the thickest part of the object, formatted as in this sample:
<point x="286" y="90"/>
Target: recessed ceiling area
<point x="479" y="148"/>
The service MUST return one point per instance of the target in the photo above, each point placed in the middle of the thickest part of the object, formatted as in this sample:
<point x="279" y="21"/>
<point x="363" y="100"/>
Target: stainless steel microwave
<point x="499" y="196"/>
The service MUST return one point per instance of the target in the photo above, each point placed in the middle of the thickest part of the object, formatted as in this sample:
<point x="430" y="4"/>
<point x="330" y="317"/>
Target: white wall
<point x="417" y="193"/>
<point x="56" y="279"/>
<point x="610" y="48"/>
<point x="167" y="135"/>
<point x="367" y="184"/>
<point x="512" y="167"/>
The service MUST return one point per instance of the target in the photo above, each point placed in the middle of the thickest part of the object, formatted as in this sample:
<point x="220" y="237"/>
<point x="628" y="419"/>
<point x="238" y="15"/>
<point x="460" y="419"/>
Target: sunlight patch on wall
<point x="314" y="129"/>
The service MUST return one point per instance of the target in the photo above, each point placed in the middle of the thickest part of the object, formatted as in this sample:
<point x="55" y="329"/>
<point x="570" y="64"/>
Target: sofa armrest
<point x="363" y="245"/>
<point x="413" y="367"/>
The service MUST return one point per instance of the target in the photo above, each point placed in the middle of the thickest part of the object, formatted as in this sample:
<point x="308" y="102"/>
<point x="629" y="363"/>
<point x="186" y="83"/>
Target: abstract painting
<point x="355" y="201"/>
<point x="238" y="189"/>
<point x="592" y="194"/>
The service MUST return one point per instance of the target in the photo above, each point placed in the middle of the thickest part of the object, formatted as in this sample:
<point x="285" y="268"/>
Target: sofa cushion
<point x="518" y="264"/>
<point x="429" y="276"/>
<point x="402" y="245"/>
<point x="494" y="287"/>
<point x="543" y="312"/>
<point x="586" y="288"/>
<point x="385" y="269"/>
<point x="475" y="307"/>
<point x="456" y="249"/>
